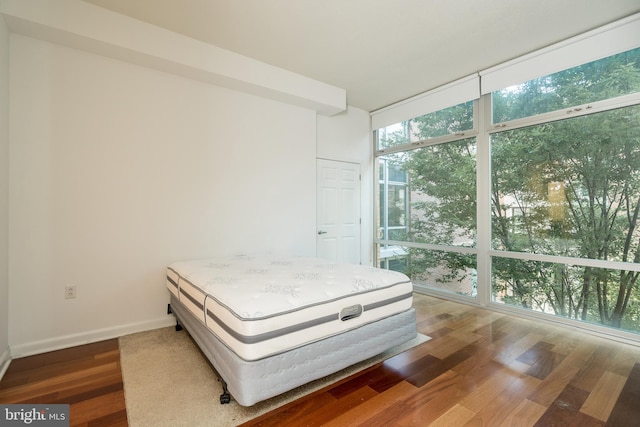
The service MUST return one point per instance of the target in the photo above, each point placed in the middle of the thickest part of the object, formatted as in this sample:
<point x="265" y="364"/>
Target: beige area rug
<point x="168" y="382"/>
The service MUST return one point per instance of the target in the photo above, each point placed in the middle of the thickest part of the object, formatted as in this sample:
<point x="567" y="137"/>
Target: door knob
<point x="322" y="232"/>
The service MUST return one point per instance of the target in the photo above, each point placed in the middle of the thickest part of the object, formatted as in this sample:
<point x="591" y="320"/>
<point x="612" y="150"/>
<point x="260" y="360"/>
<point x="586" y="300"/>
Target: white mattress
<point x="259" y="306"/>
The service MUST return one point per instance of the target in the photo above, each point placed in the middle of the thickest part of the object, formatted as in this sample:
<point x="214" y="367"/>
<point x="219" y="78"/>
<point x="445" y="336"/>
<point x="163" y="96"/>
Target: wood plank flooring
<point x="88" y="378"/>
<point x="481" y="368"/>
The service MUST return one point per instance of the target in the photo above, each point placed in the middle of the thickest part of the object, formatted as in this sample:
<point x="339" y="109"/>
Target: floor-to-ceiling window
<point x="565" y="193"/>
<point x="427" y="198"/>
<point x="526" y="197"/>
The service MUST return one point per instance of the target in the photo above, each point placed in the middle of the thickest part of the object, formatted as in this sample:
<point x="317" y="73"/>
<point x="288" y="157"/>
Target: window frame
<point x="485" y="218"/>
<point x="483" y="130"/>
<point x="379" y="241"/>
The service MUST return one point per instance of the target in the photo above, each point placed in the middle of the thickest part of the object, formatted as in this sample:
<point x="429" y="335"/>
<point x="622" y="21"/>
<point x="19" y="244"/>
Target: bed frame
<point x="250" y="382"/>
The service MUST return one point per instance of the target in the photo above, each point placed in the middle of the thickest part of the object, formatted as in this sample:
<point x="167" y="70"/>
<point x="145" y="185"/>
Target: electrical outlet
<point x="69" y="292"/>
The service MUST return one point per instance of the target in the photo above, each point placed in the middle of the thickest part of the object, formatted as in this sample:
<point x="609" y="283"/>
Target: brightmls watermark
<point x="34" y="415"/>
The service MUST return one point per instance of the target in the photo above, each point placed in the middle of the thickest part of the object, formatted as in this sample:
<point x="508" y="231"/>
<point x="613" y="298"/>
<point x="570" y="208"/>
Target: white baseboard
<point x="57" y="343"/>
<point x="5" y="360"/>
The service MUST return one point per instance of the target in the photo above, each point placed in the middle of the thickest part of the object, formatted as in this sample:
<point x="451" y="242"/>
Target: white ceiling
<point x="380" y="51"/>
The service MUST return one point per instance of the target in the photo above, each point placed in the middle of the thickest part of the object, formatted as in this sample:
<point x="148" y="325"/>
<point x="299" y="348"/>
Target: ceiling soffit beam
<point x="87" y="27"/>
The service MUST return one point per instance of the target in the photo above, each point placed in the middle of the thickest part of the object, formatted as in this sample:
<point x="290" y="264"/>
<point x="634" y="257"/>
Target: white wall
<point x="117" y="170"/>
<point x="4" y="189"/>
<point x="347" y="137"/>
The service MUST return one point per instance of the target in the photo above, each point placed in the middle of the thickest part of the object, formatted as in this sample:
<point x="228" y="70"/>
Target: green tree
<point x="596" y="161"/>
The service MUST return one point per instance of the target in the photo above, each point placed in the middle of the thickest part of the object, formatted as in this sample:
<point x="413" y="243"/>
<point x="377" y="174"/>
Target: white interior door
<point x="338" y="216"/>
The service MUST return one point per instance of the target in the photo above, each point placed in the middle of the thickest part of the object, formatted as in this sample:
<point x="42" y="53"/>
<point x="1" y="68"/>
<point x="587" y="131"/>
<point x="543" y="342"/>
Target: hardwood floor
<point x="88" y="378"/>
<point x="480" y="369"/>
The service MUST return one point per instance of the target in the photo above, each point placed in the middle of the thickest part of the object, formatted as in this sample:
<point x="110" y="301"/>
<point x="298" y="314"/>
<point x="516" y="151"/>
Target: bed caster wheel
<point x="225" y="398"/>
<point x="178" y="327"/>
